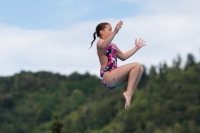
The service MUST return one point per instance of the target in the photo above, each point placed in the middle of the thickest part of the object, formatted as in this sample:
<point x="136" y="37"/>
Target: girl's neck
<point x="103" y="38"/>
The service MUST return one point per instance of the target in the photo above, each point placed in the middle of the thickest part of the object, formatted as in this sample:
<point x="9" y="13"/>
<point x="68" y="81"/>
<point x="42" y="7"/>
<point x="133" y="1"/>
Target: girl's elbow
<point x="123" y="59"/>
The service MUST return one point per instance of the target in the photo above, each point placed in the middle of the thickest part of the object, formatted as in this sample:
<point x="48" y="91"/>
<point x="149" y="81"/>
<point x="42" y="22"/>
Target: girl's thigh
<point x="119" y="76"/>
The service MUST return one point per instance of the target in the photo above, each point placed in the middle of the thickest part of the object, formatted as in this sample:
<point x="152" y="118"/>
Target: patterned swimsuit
<point x="111" y="53"/>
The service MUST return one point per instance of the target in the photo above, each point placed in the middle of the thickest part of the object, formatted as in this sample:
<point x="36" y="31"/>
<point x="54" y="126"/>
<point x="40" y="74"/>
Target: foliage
<point x="167" y="100"/>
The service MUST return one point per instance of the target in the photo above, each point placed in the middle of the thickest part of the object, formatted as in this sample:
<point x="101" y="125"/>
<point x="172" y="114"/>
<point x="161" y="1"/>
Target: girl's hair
<point x="99" y="27"/>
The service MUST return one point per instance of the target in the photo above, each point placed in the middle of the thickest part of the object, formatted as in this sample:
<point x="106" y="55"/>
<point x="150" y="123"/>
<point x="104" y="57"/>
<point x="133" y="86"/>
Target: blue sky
<point x="46" y="14"/>
<point x="55" y="35"/>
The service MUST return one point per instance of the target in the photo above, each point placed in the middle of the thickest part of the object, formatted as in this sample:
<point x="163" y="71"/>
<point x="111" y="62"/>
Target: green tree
<point x="57" y="125"/>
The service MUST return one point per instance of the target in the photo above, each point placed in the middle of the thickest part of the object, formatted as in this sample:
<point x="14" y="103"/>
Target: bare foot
<point x="128" y="100"/>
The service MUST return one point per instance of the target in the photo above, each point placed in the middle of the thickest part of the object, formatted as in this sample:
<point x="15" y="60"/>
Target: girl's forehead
<point x="108" y="26"/>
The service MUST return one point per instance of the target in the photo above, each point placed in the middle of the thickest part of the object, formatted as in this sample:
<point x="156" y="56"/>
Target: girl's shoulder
<point x="99" y="42"/>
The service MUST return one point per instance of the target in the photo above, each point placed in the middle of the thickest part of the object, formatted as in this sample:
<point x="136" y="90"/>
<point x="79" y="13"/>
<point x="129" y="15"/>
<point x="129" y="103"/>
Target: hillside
<point x="167" y="100"/>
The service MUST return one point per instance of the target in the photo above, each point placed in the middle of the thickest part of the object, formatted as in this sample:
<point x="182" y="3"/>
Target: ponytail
<point x="99" y="27"/>
<point x="94" y="36"/>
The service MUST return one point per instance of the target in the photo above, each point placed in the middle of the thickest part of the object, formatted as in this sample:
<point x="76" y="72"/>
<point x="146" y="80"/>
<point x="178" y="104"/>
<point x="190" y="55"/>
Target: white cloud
<point x="169" y="29"/>
<point x="54" y="50"/>
<point x="166" y="37"/>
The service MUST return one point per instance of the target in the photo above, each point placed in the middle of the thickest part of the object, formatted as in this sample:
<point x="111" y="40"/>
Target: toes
<point x="128" y="100"/>
<point x="127" y="105"/>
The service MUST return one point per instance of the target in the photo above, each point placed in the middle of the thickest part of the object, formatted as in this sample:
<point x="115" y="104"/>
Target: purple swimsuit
<point x="111" y="53"/>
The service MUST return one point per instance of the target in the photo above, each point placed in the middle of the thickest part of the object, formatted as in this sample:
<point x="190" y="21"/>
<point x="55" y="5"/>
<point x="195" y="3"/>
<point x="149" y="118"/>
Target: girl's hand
<point x="118" y="26"/>
<point x="139" y="43"/>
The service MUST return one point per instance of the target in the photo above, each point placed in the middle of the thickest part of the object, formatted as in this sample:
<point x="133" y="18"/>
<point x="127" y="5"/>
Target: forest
<point x="167" y="100"/>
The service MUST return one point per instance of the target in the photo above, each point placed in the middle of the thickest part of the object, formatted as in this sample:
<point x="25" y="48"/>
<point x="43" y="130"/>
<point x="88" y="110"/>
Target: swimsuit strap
<point x="105" y="50"/>
<point x="102" y="53"/>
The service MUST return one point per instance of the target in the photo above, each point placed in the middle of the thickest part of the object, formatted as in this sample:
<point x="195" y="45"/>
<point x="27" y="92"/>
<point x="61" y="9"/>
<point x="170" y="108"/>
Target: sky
<point x="54" y="36"/>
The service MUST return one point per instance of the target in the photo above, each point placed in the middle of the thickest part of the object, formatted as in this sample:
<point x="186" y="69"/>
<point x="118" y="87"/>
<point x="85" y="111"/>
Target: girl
<point x="111" y="75"/>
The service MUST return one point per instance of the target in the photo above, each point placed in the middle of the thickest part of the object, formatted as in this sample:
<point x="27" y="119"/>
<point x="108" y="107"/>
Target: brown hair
<point x="99" y="27"/>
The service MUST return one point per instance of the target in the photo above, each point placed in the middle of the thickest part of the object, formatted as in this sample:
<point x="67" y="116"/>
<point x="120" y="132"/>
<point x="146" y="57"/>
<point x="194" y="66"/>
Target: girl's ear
<point x="101" y="32"/>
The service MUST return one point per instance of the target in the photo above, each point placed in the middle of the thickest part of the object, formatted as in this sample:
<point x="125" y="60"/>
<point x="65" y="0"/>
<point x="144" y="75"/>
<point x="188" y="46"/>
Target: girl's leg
<point x="131" y="87"/>
<point x="131" y="73"/>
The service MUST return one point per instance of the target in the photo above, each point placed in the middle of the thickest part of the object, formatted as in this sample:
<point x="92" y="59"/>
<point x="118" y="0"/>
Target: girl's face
<point x="106" y="31"/>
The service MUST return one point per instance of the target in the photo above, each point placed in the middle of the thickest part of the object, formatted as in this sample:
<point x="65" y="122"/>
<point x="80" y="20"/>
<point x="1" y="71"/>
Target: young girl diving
<point x="111" y="75"/>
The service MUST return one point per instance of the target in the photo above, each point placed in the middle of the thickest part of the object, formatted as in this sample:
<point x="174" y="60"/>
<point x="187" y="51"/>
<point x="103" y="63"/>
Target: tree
<point x="57" y="125"/>
<point x="190" y="61"/>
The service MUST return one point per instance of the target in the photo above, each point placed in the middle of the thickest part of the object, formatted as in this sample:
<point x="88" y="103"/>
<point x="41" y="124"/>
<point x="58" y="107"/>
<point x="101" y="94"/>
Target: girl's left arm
<point x="123" y="56"/>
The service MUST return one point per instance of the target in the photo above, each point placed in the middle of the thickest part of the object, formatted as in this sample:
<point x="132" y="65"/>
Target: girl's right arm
<point x="123" y="56"/>
<point x="104" y="43"/>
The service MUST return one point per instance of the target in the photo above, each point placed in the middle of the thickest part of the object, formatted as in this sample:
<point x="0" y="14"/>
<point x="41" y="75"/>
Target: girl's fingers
<point x="120" y="23"/>
<point x="140" y="42"/>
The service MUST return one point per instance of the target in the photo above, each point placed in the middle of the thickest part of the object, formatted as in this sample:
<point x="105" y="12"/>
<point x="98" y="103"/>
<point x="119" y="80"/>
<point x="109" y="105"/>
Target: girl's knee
<point x="136" y="64"/>
<point x="141" y="69"/>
